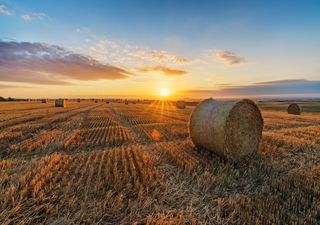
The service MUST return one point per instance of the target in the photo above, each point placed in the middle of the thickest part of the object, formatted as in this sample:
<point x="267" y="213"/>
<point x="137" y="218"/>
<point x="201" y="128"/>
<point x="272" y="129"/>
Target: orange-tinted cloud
<point x="50" y="64"/>
<point x="229" y="58"/>
<point x="163" y="56"/>
<point x="6" y="86"/>
<point x="165" y="70"/>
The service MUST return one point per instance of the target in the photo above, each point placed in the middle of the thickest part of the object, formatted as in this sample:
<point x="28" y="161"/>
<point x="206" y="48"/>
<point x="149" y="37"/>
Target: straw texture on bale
<point x="60" y="103"/>
<point x="181" y="105"/>
<point x="231" y="129"/>
<point x="294" y="109"/>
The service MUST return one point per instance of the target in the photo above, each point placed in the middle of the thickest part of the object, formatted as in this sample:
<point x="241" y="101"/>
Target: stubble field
<point x="98" y="163"/>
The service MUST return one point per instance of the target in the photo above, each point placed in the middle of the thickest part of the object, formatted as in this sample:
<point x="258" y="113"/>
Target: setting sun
<point x="164" y="92"/>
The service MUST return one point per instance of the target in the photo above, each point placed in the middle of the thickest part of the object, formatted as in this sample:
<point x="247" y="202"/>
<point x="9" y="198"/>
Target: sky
<point x="192" y="49"/>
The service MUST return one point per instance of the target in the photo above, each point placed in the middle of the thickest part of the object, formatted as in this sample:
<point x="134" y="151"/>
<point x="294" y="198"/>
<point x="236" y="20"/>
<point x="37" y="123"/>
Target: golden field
<point x="98" y="163"/>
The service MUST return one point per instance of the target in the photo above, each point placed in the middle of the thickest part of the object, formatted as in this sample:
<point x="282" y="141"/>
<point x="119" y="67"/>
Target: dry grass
<point x="97" y="163"/>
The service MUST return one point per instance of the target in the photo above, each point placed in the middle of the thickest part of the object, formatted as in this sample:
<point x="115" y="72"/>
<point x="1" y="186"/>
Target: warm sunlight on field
<point x="111" y="162"/>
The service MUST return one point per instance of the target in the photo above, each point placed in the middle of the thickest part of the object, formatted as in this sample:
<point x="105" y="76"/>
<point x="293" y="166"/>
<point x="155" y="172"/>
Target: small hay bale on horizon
<point x="181" y="104"/>
<point x="60" y="102"/>
<point x="294" y="109"/>
<point x="44" y="100"/>
<point x="230" y="129"/>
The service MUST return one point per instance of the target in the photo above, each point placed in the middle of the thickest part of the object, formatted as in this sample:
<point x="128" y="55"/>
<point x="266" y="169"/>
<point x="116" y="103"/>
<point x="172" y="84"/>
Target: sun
<point x="164" y="92"/>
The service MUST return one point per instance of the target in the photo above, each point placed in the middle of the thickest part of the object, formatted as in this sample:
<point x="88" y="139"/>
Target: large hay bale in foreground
<point x="181" y="104"/>
<point x="60" y="103"/>
<point x="294" y="109"/>
<point x="231" y="129"/>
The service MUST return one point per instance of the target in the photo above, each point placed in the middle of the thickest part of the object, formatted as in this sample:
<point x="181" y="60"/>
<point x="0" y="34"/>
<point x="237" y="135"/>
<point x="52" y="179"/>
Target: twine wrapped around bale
<point x="231" y="129"/>
<point x="294" y="109"/>
<point x="60" y="103"/>
<point x="181" y="104"/>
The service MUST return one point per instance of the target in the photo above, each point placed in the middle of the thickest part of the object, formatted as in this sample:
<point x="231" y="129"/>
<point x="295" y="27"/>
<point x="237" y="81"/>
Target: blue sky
<point x="224" y="42"/>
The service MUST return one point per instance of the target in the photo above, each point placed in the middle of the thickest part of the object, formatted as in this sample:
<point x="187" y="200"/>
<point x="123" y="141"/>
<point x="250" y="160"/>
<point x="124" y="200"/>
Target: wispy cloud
<point x="109" y="50"/>
<point x="163" y="56"/>
<point x="50" y="64"/>
<point x="165" y="70"/>
<point x="5" y="11"/>
<point x="228" y="57"/>
<point x="271" y="88"/>
<point x="6" y="86"/>
<point x="33" y="16"/>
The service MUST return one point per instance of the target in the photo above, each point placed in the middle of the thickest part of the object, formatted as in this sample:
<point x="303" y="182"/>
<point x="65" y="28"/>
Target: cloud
<point x="33" y="16"/>
<point x="117" y="52"/>
<point x="166" y="71"/>
<point x="6" y="86"/>
<point x="50" y="64"/>
<point x="108" y="50"/>
<point x="26" y="17"/>
<point x="163" y="56"/>
<point x="298" y="87"/>
<point x="4" y="11"/>
<point x="228" y="58"/>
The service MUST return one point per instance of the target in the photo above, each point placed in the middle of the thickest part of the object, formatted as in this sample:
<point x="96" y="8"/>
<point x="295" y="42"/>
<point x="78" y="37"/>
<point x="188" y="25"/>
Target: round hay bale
<point x="181" y="105"/>
<point x="44" y="100"/>
<point x="231" y="129"/>
<point x="294" y="108"/>
<point x="60" y="103"/>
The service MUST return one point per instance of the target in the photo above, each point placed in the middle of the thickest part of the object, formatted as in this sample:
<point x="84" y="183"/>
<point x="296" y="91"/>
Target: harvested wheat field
<point x="97" y="163"/>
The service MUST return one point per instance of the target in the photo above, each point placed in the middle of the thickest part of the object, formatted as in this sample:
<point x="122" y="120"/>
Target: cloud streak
<point x="42" y="63"/>
<point x="118" y="52"/>
<point x="165" y="70"/>
<point x="229" y="58"/>
<point x="108" y="50"/>
<point x="6" y="86"/>
<point x="4" y="11"/>
<point x="163" y="56"/>
<point x="33" y="16"/>
<point x="272" y="88"/>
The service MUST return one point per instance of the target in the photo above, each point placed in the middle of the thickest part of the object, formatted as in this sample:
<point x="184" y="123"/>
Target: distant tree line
<point x="9" y="99"/>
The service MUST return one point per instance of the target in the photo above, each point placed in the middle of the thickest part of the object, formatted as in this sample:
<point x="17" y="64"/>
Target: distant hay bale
<point x="78" y="100"/>
<point x="294" y="108"/>
<point x="126" y="102"/>
<point x="44" y="100"/>
<point x="181" y="104"/>
<point x="60" y="103"/>
<point x="107" y="102"/>
<point x="231" y="129"/>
